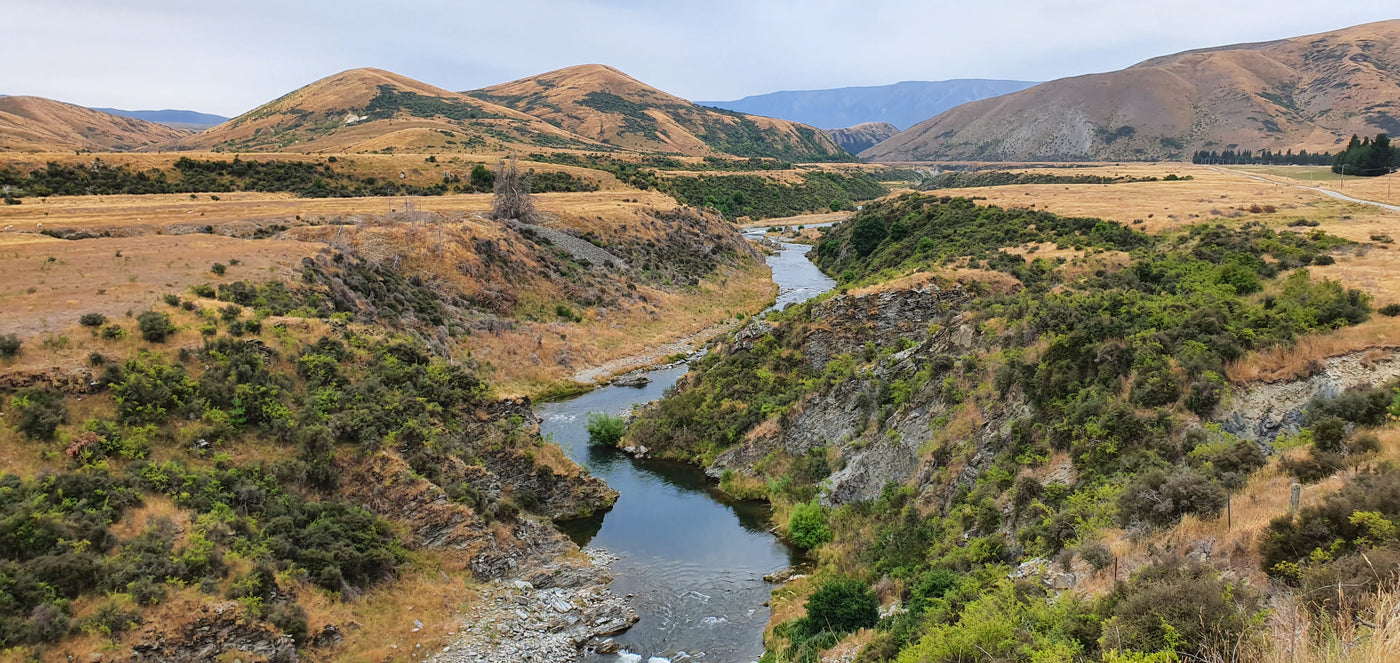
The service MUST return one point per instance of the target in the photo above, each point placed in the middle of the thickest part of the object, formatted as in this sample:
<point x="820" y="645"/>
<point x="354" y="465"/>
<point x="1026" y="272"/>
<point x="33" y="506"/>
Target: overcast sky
<point x="227" y="57"/>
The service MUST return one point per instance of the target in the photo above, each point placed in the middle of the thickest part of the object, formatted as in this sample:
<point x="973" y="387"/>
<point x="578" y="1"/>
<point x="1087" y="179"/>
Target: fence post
<point x="1229" y="514"/>
<point x="1295" y="493"/>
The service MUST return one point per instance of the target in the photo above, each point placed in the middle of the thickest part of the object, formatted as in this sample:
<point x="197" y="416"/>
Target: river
<point x="692" y="560"/>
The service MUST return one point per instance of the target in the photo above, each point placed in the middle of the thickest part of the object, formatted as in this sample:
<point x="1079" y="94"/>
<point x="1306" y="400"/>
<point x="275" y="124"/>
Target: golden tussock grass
<point x="1295" y="361"/>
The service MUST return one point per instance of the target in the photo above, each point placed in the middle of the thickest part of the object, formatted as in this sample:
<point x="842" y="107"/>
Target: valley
<point x="572" y="368"/>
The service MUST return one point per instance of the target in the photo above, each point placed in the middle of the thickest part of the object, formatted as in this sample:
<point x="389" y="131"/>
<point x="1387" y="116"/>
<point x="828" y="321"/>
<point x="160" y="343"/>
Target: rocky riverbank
<point x="552" y="614"/>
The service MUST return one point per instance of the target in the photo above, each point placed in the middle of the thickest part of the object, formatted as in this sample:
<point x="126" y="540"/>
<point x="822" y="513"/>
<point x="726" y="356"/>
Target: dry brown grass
<point x="1294" y="361"/>
<point x="50" y="282"/>
<point x="44" y="297"/>
<point x="1210" y="196"/>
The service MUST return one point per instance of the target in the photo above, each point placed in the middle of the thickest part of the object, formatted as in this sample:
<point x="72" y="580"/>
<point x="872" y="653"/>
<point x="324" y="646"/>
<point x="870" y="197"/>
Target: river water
<point x="692" y="559"/>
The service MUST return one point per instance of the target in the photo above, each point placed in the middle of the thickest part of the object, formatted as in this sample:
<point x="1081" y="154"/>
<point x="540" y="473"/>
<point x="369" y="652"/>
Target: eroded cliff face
<point x="1265" y="410"/>
<point x="885" y="420"/>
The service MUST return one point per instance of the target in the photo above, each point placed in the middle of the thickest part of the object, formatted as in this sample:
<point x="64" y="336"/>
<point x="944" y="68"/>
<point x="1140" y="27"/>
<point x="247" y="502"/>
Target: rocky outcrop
<point x="553" y="613"/>
<point x="218" y="631"/>
<point x="1263" y="411"/>
<point x="876" y="447"/>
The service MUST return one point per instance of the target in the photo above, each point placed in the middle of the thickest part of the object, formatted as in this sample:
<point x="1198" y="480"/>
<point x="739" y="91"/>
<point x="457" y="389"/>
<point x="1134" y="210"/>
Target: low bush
<point x="807" y="525"/>
<point x="841" y="606"/>
<point x="92" y="320"/>
<point x="40" y="410"/>
<point x="1160" y="499"/>
<point x="9" y="346"/>
<point x="1178" y="606"/>
<point x="604" y="429"/>
<point x="155" y="327"/>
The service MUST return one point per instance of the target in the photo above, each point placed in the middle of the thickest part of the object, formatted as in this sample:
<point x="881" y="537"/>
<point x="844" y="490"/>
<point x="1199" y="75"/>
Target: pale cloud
<point x="227" y="57"/>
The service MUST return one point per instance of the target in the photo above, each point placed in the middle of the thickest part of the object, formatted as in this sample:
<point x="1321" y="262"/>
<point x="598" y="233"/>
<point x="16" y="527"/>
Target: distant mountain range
<point x="36" y="124"/>
<point x="180" y="119"/>
<point x="901" y="104"/>
<point x="1310" y="92"/>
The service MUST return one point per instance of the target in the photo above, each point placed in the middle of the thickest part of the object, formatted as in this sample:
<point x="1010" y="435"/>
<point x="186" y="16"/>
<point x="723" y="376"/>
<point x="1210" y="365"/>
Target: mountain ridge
<point x="862" y="136"/>
<point x="901" y="104"/>
<point x="604" y="104"/>
<point x="170" y="117"/>
<point x="37" y="124"/>
<point x="1310" y="92"/>
<point x="371" y="109"/>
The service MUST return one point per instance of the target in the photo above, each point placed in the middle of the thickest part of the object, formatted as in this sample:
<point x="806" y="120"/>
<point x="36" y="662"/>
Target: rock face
<point x="876" y="448"/>
<point x="1266" y="410"/>
<point x="219" y="631"/>
<point x="551" y="614"/>
<point x="862" y="136"/>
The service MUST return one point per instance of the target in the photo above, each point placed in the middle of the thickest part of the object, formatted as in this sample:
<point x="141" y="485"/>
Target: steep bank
<point x="305" y="454"/>
<point x="961" y="432"/>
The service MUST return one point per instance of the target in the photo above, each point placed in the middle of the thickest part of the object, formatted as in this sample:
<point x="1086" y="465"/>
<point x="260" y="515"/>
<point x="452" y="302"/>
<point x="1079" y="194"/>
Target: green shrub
<point x="113" y="332"/>
<point x="1313" y="467"/>
<point x="92" y="320"/>
<point x="218" y="268"/>
<point x="203" y="290"/>
<point x="1390" y="310"/>
<point x="9" y="346"/>
<point x="1362" y="514"/>
<point x="171" y="299"/>
<point x="1160" y="499"/>
<point x="842" y="605"/>
<point x="1183" y="607"/>
<point x="40" y="410"/>
<point x="1329" y="433"/>
<point x="155" y="327"/>
<point x="604" y="429"/>
<point x="807" y="525"/>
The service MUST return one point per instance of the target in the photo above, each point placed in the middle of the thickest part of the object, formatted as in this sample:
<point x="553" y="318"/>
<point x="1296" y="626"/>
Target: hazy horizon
<point x="226" y="59"/>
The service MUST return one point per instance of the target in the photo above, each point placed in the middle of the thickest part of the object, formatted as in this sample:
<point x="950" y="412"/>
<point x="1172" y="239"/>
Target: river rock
<point x="636" y="379"/>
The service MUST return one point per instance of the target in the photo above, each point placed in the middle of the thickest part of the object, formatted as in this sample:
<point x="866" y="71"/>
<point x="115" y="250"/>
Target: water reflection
<point x="692" y="559"/>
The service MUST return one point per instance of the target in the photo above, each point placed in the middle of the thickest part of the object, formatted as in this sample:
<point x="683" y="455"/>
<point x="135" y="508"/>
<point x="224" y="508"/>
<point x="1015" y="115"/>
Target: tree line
<point x="1367" y="157"/>
<point x="1263" y="158"/>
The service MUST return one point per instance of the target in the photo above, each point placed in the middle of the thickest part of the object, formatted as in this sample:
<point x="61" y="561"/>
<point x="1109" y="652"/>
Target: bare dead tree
<point x="513" y="200"/>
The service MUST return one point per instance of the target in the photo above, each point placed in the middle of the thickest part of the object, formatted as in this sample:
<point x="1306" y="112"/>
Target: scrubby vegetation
<point x="959" y="180"/>
<point x="605" y="429"/>
<point x="221" y="468"/>
<point x="1108" y="356"/>
<point x="760" y="197"/>
<point x="308" y="179"/>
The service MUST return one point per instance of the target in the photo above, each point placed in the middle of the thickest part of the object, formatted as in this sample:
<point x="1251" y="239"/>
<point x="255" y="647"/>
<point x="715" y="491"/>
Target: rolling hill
<point x="606" y="105"/>
<point x="178" y="119"/>
<point x="1308" y="92"/>
<point x="36" y="124"/>
<point x="901" y="104"/>
<point x="862" y="136"/>
<point x="366" y="110"/>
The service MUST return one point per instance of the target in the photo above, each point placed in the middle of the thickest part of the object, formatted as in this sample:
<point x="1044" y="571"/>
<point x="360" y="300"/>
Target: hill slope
<point x="179" y="119"/>
<point x="1303" y="93"/>
<point x="862" y="136"/>
<point x="901" y="104"/>
<point x="371" y="109"/>
<point x="36" y="124"/>
<point x="604" y="104"/>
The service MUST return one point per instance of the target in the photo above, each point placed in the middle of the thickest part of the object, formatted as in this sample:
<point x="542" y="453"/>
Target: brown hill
<point x="1308" y="93"/>
<point x="606" y="105"/>
<point x="370" y="110"/>
<point x="36" y="124"/>
<point x="862" y="136"/>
